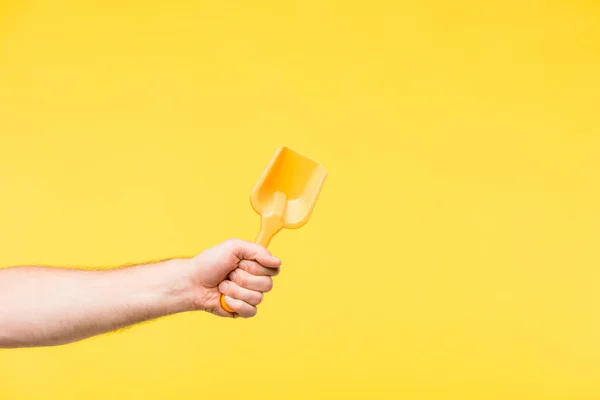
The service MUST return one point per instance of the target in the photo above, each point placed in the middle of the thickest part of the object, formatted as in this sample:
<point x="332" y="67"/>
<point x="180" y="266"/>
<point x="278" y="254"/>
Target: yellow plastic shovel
<point x="285" y="195"/>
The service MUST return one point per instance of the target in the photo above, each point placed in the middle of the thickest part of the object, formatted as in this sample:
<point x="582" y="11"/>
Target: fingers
<point x="255" y="268"/>
<point x="234" y="290"/>
<point x="252" y="277"/>
<point x="252" y="251"/>
<point x="252" y="282"/>
<point x="241" y="308"/>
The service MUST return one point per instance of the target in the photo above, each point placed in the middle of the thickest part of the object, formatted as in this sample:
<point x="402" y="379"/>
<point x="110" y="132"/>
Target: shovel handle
<point x="271" y="223"/>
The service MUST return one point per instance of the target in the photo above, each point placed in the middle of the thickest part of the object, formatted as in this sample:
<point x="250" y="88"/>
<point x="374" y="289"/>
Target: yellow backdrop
<point x="454" y="251"/>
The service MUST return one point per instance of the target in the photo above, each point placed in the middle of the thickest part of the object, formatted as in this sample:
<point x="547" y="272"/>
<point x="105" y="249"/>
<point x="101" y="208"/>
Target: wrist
<point x="170" y="284"/>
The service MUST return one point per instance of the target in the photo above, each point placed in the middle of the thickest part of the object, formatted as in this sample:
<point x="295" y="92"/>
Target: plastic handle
<point x="271" y="223"/>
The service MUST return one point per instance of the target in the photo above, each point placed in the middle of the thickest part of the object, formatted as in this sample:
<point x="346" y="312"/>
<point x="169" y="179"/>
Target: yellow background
<point x="453" y="254"/>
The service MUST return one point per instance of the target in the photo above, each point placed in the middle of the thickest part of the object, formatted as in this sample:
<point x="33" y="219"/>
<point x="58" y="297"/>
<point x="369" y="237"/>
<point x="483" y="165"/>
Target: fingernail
<point x="222" y="286"/>
<point x="276" y="259"/>
<point x="232" y="275"/>
<point x="229" y="301"/>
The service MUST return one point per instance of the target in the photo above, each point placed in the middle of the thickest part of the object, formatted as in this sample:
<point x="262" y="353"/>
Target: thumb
<point x="251" y="251"/>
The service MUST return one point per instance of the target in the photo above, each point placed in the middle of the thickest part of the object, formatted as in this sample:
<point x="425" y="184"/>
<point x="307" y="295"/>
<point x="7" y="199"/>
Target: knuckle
<point x="251" y="312"/>
<point x="253" y="269"/>
<point x="259" y="298"/>
<point x="243" y="265"/>
<point x="268" y="284"/>
<point x="234" y="290"/>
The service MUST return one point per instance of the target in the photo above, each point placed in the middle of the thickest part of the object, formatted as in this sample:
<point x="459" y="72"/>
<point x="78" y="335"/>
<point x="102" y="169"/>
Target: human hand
<point x="238" y="269"/>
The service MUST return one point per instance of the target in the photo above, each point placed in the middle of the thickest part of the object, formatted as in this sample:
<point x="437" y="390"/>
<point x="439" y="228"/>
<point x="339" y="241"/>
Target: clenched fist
<point x="238" y="269"/>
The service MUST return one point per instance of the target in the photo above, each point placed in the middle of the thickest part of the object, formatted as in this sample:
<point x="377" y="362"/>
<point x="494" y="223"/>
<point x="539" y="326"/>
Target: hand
<point x="248" y="267"/>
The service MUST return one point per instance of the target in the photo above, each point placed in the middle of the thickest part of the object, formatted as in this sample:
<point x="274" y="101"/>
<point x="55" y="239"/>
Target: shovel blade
<point x="299" y="178"/>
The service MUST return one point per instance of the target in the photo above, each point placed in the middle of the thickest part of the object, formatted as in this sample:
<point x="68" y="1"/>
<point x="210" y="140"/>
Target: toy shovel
<point x="285" y="195"/>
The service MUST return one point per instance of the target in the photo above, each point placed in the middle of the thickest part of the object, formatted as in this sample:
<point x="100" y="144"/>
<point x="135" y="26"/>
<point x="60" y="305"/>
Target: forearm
<point x="41" y="306"/>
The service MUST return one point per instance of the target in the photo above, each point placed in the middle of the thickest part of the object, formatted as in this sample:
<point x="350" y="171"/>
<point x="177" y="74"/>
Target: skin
<point x="45" y="306"/>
